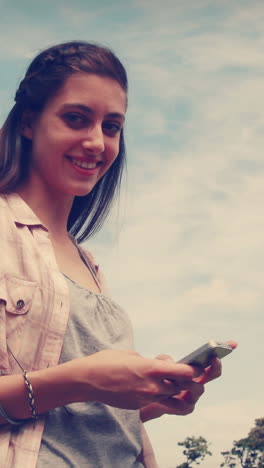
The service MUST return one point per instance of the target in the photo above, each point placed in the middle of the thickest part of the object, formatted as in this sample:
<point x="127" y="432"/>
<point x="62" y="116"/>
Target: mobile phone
<point x="203" y="355"/>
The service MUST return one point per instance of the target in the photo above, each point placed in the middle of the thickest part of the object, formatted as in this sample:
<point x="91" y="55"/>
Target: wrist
<point x="54" y="387"/>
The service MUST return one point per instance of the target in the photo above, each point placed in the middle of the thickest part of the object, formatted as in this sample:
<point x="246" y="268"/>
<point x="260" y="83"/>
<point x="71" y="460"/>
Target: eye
<point x="75" y="120"/>
<point x="112" y="128"/>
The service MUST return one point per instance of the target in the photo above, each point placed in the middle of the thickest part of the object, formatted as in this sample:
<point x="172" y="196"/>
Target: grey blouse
<point x="92" y="434"/>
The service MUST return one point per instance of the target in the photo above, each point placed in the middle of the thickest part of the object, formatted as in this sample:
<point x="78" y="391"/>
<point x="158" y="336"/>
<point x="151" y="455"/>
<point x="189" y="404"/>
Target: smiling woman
<point x="71" y="382"/>
<point x="75" y="139"/>
<point x="47" y="75"/>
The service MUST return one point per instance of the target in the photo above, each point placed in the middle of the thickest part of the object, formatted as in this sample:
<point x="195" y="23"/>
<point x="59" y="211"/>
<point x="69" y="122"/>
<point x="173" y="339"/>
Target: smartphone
<point x="203" y="355"/>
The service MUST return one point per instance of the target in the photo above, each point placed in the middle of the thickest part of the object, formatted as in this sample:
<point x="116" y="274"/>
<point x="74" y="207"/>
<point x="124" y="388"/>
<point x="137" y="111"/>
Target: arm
<point x="147" y="456"/>
<point x="52" y="387"/>
<point x="123" y="379"/>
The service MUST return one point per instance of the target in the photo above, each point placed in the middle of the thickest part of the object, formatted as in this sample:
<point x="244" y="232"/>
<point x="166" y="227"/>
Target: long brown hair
<point x="44" y="77"/>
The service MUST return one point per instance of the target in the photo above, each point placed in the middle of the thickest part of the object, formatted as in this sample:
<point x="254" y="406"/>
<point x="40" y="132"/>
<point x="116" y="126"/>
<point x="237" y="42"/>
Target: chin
<point x="81" y="192"/>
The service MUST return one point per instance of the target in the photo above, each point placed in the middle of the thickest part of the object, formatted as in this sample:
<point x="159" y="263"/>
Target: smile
<point x="84" y="164"/>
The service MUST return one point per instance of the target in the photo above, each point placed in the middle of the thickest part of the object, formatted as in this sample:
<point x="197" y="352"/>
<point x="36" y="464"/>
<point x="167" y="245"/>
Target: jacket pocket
<point x="17" y="294"/>
<point x="16" y="301"/>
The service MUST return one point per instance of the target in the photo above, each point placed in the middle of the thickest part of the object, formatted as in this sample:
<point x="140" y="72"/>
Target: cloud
<point x="246" y="20"/>
<point x="82" y="14"/>
<point x="187" y="242"/>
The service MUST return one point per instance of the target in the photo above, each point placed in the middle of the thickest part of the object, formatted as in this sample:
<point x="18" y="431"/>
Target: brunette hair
<point x="44" y="77"/>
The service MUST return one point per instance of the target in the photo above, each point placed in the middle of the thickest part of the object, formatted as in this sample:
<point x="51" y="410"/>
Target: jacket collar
<point x="21" y="211"/>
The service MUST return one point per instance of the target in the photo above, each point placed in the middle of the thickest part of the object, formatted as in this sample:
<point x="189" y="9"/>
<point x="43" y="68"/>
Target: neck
<point x="53" y="211"/>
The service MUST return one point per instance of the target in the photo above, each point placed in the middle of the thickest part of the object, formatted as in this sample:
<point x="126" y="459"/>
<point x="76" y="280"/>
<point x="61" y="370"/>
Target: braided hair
<point x="45" y="75"/>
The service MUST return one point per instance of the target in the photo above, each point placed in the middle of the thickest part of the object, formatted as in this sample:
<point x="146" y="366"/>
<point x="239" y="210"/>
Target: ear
<point x="26" y="124"/>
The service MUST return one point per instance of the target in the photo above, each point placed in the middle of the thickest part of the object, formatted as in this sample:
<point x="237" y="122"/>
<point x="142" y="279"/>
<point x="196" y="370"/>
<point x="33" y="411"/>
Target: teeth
<point x="83" y="164"/>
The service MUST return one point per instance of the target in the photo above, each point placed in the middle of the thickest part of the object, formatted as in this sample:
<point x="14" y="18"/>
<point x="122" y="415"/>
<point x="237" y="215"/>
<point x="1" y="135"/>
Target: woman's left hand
<point x="184" y="402"/>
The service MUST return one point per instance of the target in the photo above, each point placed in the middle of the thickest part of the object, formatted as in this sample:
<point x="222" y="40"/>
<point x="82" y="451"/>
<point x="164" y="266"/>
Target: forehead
<point x="91" y="90"/>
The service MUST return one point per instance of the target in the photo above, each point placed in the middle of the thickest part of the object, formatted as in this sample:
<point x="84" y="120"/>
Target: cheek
<point x="113" y="150"/>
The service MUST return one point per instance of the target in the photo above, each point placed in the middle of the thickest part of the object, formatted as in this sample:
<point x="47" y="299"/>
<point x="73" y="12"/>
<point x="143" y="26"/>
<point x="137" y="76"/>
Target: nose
<point x="94" y="140"/>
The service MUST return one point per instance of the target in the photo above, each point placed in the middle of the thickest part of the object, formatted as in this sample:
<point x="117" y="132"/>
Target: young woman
<point x="73" y="392"/>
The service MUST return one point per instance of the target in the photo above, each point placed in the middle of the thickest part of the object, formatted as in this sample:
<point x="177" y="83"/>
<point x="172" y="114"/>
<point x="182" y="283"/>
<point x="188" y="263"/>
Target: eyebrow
<point x="88" y="110"/>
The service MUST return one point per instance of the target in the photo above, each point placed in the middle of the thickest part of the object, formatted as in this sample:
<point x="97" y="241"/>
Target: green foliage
<point x="183" y="465"/>
<point x="196" y="448"/>
<point x="249" y="451"/>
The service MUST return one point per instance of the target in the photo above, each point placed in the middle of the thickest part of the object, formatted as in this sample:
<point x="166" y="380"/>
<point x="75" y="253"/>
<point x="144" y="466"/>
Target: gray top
<point x="92" y="434"/>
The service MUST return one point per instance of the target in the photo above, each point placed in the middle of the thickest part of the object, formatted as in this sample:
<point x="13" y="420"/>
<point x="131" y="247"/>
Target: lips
<point x="83" y="163"/>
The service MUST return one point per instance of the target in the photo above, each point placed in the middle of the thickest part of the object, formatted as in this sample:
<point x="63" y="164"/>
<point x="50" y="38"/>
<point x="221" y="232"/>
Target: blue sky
<point x="183" y="253"/>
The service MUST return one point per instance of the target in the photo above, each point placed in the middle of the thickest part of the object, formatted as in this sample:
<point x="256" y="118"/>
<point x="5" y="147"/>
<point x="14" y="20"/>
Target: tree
<point x="247" y="452"/>
<point x="196" y="448"/>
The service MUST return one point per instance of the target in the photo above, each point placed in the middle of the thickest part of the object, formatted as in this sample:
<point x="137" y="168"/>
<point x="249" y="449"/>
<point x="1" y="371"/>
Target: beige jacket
<point x="34" y="309"/>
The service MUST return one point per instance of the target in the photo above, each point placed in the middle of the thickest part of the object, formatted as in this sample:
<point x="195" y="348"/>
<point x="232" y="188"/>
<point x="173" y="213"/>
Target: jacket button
<point x="20" y="304"/>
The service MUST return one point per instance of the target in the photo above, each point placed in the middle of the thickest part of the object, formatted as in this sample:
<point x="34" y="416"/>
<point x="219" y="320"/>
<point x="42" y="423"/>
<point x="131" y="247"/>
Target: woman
<point x="73" y="392"/>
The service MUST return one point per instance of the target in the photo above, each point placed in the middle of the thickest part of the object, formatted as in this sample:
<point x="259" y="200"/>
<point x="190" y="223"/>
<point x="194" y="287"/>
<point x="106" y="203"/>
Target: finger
<point x="193" y="395"/>
<point x="181" y="404"/>
<point x="197" y="370"/>
<point x="170" y="388"/>
<point x="166" y="369"/>
<point x="233" y="344"/>
<point x="194" y="388"/>
<point x="212" y="372"/>
<point x="164" y="357"/>
<point x="175" y="405"/>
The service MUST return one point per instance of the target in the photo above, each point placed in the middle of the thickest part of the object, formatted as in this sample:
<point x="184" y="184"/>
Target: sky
<point x="183" y="250"/>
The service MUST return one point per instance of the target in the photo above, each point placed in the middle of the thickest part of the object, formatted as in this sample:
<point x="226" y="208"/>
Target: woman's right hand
<point x="125" y="379"/>
<point x="122" y="379"/>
